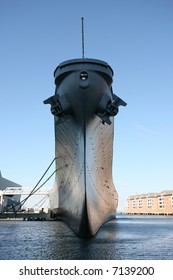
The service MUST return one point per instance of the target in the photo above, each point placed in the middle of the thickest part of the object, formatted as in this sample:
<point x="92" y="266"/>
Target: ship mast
<point x="82" y="20"/>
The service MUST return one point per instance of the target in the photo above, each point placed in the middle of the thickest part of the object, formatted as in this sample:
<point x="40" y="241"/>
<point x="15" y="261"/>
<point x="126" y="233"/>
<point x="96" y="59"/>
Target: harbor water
<point x="126" y="238"/>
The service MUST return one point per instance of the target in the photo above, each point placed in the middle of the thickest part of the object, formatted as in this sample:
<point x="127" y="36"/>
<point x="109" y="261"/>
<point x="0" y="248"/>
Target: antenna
<point x="82" y="19"/>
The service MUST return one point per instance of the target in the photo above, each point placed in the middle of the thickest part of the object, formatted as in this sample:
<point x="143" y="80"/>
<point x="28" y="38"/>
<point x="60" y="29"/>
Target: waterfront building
<point x="8" y="200"/>
<point x="151" y="203"/>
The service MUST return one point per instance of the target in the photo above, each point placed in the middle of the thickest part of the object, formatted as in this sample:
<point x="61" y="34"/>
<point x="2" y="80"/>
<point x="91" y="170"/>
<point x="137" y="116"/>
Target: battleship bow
<point x="84" y="106"/>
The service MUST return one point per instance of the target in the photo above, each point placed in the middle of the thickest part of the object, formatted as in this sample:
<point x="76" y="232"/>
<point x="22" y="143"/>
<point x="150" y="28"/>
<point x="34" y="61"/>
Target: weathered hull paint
<point x="83" y="195"/>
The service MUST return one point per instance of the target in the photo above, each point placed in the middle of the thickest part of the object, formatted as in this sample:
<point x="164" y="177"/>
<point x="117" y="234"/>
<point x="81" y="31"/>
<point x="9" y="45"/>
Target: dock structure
<point x="18" y="192"/>
<point x="11" y="203"/>
<point x="30" y="214"/>
<point x="151" y="203"/>
<point x="9" y="199"/>
<point x="24" y="191"/>
<point x="42" y="215"/>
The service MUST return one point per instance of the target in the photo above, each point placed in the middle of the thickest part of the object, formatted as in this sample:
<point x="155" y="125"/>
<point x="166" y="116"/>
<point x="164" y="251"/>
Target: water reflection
<point x="124" y="238"/>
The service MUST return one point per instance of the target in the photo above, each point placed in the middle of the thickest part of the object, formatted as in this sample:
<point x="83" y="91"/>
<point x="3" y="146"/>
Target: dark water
<point x="127" y="237"/>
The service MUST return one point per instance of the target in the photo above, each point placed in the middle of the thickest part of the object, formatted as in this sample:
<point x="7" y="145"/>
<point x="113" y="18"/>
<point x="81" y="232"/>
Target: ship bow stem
<point x="84" y="196"/>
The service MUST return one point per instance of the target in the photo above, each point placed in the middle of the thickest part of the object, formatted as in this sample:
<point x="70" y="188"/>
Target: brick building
<point x="151" y="203"/>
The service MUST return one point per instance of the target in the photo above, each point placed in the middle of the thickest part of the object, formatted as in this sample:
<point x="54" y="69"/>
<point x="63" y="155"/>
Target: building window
<point x="134" y="203"/>
<point x="150" y="202"/>
<point x="140" y="203"/>
<point x="172" y="200"/>
<point x="161" y="202"/>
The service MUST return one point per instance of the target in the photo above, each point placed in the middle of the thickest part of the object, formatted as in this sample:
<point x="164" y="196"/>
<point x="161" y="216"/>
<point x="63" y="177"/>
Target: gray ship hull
<point x="83" y="195"/>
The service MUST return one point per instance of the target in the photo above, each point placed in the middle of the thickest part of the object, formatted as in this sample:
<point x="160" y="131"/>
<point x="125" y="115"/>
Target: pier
<point x="26" y="216"/>
<point x="29" y="214"/>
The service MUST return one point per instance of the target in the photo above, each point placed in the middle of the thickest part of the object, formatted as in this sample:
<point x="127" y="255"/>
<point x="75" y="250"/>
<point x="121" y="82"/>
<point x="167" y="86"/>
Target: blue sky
<point x="135" y="37"/>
